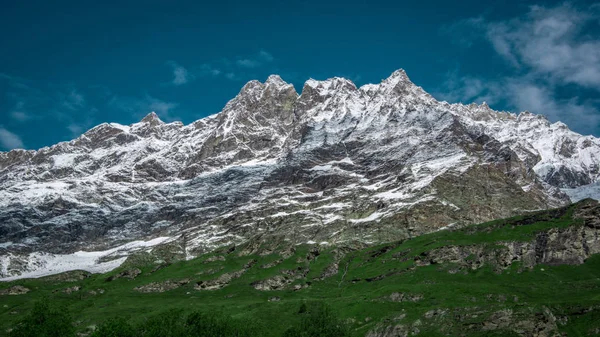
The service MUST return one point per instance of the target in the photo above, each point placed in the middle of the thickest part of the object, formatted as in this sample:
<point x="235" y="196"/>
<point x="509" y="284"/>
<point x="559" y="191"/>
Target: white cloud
<point x="469" y="89"/>
<point x="551" y="42"/>
<point x="578" y="114"/>
<point x="207" y="69"/>
<point x="241" y="68"/>
<point x="72" y="100"/>
<point x="161" y="107"/>
<point x="75" y="129"/>
<point x="139" y="107"/>
<point x="180" y="74"/>
<point x="39" y="101"/>
<point x="248" y="63"/>
<point x="265" y="56"/>
<point x="523" y="93"/>
<point x="547" y="49"/>
<point x="259" y="59"/>
<point x="20" y="116"/>
<point x="9" y="140"/>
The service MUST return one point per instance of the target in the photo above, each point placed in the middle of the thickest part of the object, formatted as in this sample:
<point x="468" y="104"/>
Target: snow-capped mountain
<point x="335" y="164"/>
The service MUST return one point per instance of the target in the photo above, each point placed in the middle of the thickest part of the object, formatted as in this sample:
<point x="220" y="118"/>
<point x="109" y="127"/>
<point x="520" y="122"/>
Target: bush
<point x="118" y="327"/>
<point x="167" y="324"/>
<point x="175" y="323"/>
<point x="45" y="321"/>
<point x="318" y="320"/>
<point x="217" y="325"/>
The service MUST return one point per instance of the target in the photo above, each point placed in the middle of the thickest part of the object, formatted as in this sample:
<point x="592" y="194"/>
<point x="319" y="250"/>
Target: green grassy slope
<point x="404" y="287"/>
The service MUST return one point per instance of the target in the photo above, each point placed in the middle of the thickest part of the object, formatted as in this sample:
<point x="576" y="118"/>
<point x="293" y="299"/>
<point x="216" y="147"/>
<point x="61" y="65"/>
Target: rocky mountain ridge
<point x="335" y="164"/>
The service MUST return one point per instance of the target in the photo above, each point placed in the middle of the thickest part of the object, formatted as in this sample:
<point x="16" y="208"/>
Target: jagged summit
<point x="152" y="118"/>
<point x="336" y="164"/>
<point x="398" y="76"/>
<point x="276" y="80"/>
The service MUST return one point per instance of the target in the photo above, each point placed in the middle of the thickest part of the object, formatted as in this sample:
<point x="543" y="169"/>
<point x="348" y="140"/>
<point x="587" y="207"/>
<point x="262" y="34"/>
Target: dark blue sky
<point x="67" y="66"/>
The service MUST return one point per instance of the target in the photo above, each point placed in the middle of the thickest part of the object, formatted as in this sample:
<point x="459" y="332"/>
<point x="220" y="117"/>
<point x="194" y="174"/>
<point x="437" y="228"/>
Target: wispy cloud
<point x="552" y="41"/>
<point x="18" y="114"/>
<point x="45" y="101"/>
<point x="467" y="89"/>
<point x="259" y="59"/>
<point x="207" y="69"/>
<point x="71" y="100"/>
<point x="180" y="74"/>
<point x="248" y="63"/>
<point x="239" y="68"/>
<point x="15" y="81"/>
<point x="9" y="140"/>
<point x="75" y="108"/>
<point x="139" y="107"/>
<point x="266" y="56"/>
<point x="547" y="49"/>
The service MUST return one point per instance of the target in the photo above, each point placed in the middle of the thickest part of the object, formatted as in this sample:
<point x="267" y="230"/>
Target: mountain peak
<point x="276" y="80"/>
<point x="398" y="76"/>
<point x="152" y="118"/>
<point x="328" y="86"/>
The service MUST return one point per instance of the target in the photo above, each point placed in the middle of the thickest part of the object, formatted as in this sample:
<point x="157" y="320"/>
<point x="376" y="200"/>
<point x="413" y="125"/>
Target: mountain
<point x="334" y="165"/>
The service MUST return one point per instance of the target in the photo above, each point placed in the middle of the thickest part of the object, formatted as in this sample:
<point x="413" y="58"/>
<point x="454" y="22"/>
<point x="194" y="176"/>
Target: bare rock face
<point x="504" y="321"/>
<point x="336" y="164"/>
<point x="556" y="246"/>
<point x="281" y="281"/>
<point x="127" y="274"/>
<point x="68" y="290"/>
<point x="15" y="290"/>
<point x="224" y="279"/>
<point x="161" y="287"/>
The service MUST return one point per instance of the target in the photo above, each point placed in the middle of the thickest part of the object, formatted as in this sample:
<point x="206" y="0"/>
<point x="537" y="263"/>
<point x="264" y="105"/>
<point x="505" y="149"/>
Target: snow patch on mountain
<point x="44" y="264"/>
<point x="582" y="192"/>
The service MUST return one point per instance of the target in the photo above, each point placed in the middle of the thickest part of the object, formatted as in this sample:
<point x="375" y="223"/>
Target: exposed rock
<point x="159" y="267"/>
<point x="396" y="330"/>
<point x="210" y="271"/>
<point x="224" y="279"/>
<point x="215" y="258"/>
<point x="330" y="271"/>
<point x="287" y="253"/>
<point x="402" y="297"/>
<point x="276" y="282"/>
<point x="161" y="287"/>
<point x="70" y="276"/>
<point x="128" y="274"/>
<point x="281" y="281"/>
<point x="15" y="290"/>
<point x="435" y="313"/>
<point x="69" y="290"/>
<point x="271" y="264"/>
<point x="250" y="263"/>
<point x="219" y="282"/>
<point x="555" y="246"/>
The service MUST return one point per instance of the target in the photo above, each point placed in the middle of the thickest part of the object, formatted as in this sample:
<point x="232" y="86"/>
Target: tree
<point x="117" y="327"/>
<point x="45" y="321"/>
<point x="318" y="320"/>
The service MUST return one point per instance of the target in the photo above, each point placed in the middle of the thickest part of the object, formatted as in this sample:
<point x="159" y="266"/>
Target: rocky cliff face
<point x="335" y="164"/>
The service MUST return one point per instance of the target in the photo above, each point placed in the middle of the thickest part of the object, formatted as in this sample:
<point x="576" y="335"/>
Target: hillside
<point x="531" y="275"/>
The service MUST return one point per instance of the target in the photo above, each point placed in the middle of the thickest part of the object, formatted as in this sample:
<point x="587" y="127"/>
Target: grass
<point x="357" y="293"/>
